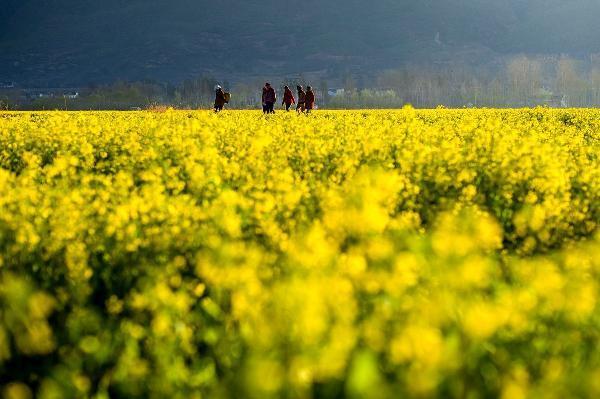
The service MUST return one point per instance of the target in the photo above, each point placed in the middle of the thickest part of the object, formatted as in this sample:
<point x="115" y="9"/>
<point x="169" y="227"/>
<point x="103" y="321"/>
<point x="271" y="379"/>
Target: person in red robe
<point x="288" y="98"/>
<point x="301" y="98"/>
<point x="309" y="100"/>
<point x="268" y="98"/>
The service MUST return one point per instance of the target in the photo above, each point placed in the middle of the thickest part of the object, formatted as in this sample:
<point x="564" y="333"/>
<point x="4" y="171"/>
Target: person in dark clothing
<point x="264" y="94"/>
<point x="288" y="98"/>
<point x="301" y="98"/>
<point x="309" y="100"/>
<point x="219" y="98"/>
<point x="269" y="97"/>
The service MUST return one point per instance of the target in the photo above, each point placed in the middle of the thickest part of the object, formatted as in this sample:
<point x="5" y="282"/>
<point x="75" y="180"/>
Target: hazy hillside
<point x="69" y="42"/>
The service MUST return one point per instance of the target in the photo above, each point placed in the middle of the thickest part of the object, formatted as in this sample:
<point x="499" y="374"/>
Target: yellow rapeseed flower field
<point x="362" y="254"/>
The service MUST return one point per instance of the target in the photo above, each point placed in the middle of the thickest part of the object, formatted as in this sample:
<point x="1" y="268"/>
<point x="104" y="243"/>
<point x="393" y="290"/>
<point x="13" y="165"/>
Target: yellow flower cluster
<point x="367" y="254"/>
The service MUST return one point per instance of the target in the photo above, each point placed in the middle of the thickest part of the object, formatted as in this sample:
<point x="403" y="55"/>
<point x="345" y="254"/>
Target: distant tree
<point x="324" y="87"/>
<point x="187" y="90"/>
<point x="595" y="86"/>
<point x="569" y="82"/>
<point x="177" y="98"/>
<point x="349" y="83"/>
<point x="170" y="90"/>
<point x="525" y="78"/>
<point x="205" y="87"/>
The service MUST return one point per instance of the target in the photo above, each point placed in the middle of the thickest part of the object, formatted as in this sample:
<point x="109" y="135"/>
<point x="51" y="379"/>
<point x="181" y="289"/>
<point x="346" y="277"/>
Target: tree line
<point x="519" y="81"/>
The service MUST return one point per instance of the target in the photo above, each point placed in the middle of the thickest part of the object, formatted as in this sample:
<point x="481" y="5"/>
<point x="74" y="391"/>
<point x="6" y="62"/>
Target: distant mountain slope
<point x="70" y="42"/>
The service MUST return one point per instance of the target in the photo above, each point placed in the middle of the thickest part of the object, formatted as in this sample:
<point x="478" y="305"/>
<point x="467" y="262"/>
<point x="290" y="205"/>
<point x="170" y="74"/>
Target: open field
<point x="363" y="254"/>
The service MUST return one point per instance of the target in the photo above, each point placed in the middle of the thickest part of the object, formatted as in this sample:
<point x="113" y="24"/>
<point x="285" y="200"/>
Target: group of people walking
<point x="305" y="102"/>
<point x="306" y="99"/>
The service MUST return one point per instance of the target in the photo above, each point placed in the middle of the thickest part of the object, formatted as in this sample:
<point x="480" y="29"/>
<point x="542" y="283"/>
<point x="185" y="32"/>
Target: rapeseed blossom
<point x="410" y="253"/>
